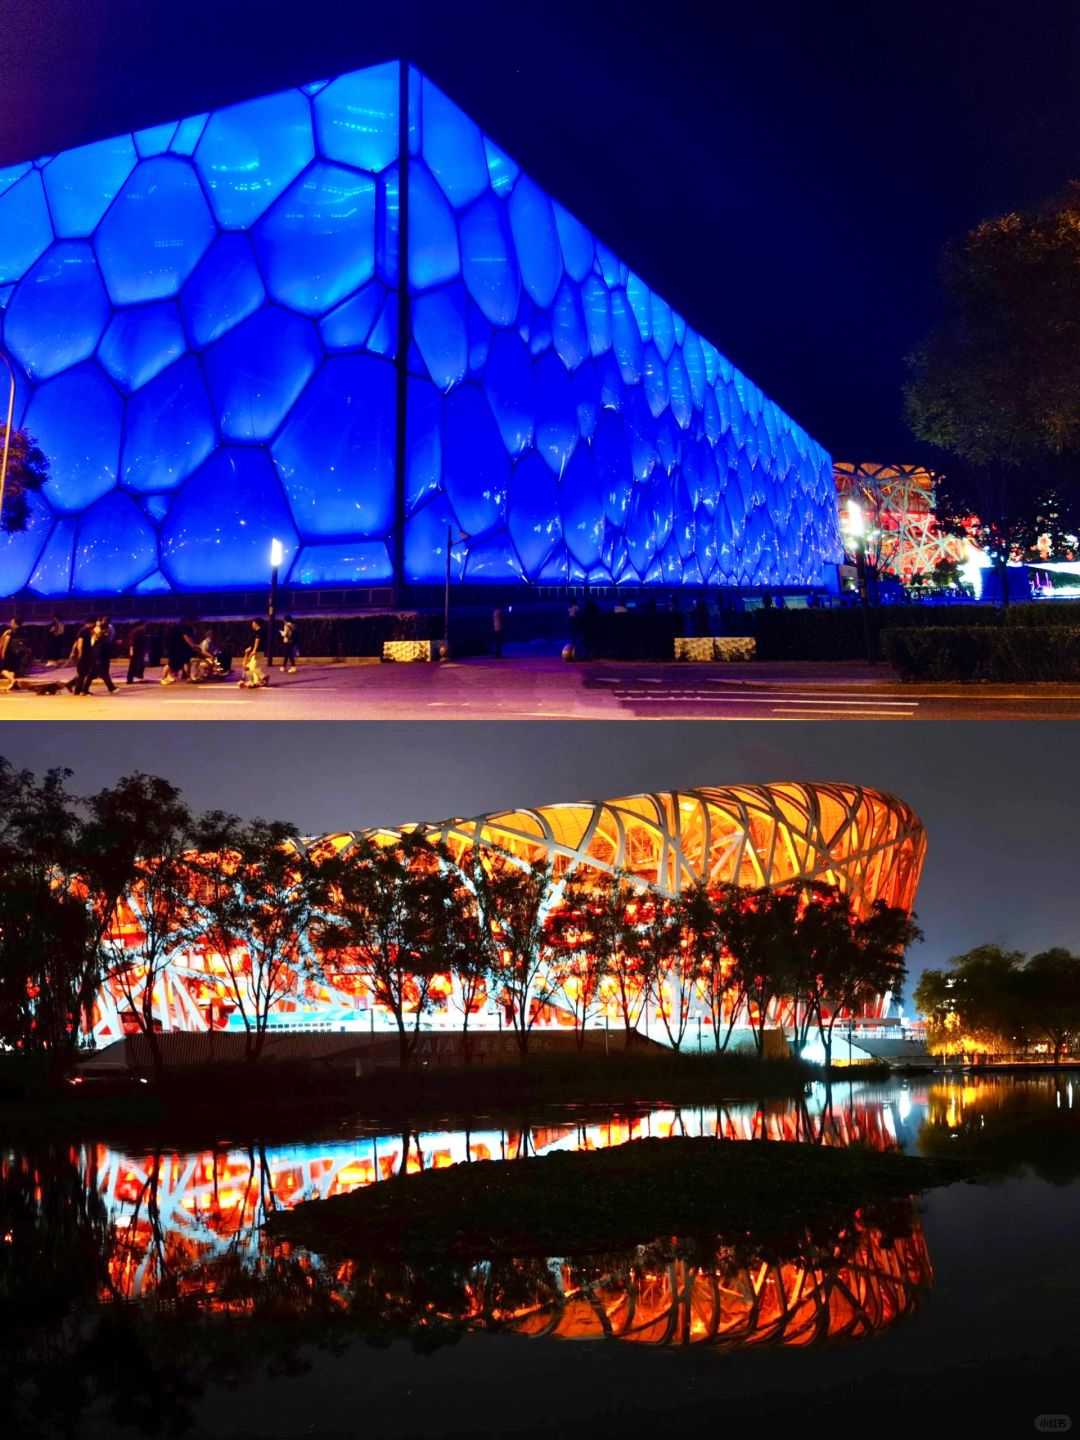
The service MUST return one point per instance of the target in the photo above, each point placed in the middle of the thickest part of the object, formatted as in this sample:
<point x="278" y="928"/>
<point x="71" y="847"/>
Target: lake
<point x="146" y="1296"/>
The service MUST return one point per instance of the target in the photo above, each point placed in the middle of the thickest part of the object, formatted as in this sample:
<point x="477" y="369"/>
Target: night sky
<point x="784" y="173"/>
<point x="998" y="800"/>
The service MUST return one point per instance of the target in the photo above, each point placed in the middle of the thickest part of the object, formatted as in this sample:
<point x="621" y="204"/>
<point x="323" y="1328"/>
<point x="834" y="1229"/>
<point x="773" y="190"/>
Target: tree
<point x="27" y="472"/>
<point x="613" y="901"/>
<point x="1049" y="989"/>
<point x="472" y="957"/>
<point x="138" y="848"/>
<point x="933" y="1000"/>
<point x="758" y="927"/>
<point x="49" y="956"/>
<point x="514" y="901"/>
<point x="997" y="382"/>
<point x="389" y="921"/>
<point x="587" y="931"/>
<point x="820" y="951"/>
<point x="702" y="917"/>
<point x="260" y="895"/>
<point x="667" y="965"/>
<point x="976" y="1003"/>
<point x="874" y="965"/>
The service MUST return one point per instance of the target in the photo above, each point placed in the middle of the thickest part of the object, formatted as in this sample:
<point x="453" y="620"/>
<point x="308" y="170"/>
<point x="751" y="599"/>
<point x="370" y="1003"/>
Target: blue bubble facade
<point x="204" y="322"/>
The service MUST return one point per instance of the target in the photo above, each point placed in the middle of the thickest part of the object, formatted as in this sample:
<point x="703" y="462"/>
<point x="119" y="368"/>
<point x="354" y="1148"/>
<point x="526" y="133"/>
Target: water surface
<point x="960" y="1304"/>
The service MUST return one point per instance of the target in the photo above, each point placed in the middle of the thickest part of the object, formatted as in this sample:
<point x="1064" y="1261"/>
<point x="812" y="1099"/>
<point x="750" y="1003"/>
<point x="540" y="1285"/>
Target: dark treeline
<point x="112" y="888"/>
<point x="1003" y="1002"/>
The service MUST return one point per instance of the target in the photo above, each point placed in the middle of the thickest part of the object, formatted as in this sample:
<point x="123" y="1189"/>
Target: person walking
<point x="289" y="647"/>
<point x="497" y="632"/>
<point x="8" y="644"/>
<point x="54" y="643"/>
<point x="98" y="653"/>
<point x="254" y="656"/>
<point x="82" y="659"/>
<point x="136" y="649"/>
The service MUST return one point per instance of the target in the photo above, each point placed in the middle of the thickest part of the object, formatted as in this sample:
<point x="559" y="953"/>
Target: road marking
<point x="689" y="695"/>
<point x="792" y="712"/>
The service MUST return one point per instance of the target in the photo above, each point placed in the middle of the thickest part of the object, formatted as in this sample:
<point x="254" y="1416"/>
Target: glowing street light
<point x="853" y="524"/>
<point x="277" y="555"/>
<point x="854" y="520"/>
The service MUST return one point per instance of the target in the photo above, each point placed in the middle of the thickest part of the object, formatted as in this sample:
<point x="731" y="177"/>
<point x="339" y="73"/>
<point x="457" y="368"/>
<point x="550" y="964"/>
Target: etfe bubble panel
<point x="203" y="319"/>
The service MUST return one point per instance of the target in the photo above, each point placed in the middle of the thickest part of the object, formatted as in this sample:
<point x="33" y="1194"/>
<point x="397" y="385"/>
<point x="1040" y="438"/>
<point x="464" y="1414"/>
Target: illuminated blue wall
<point x="203" y="317"/>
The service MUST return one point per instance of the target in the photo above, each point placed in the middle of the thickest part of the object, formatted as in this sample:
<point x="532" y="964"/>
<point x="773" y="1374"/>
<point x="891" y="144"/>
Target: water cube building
<point x="342" y="318"/>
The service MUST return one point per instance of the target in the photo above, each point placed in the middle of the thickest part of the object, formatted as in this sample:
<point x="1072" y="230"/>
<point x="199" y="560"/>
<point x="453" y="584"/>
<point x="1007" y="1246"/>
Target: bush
<point x="1001" y="654"/>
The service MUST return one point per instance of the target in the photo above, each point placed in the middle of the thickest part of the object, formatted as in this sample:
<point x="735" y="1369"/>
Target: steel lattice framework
<point x="899" y="501"/>
<point x="869" y="844"/>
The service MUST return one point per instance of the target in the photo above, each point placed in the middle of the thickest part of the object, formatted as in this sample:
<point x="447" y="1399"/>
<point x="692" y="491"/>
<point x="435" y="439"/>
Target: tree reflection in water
<point x="133" y="1281"/>
<point x="1005" y="1127"/>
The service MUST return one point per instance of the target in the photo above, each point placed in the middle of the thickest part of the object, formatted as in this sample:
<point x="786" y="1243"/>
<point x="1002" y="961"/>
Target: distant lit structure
<point x="870" y="845"/>
<point x="341" y="316"/>
<point x="902" y="534"/>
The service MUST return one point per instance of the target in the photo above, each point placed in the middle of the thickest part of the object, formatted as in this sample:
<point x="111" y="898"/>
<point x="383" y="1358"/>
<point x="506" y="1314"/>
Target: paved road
<point x="547" y="689"/>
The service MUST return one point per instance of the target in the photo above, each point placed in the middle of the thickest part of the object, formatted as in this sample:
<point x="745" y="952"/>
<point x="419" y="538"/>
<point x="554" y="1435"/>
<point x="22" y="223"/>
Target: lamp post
<point x="277" y="555"/>
<point x="855" y="528"/>
<point x="7" y="430"/>
<point x="450" y="543"/>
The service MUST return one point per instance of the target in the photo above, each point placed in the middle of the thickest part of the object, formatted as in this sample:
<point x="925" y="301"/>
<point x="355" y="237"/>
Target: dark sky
<point x="783" y="173"/>
<point x="999" y="801"/>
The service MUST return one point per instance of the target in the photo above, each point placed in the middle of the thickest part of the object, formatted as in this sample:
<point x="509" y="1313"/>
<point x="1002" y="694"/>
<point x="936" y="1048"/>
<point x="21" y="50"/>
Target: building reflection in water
<point x="176" y="1213"/>
<point x="844" y="1281"/>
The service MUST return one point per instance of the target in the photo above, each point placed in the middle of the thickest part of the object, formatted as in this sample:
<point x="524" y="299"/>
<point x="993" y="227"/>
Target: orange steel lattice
<point x="869" y="844"/>
<point x="898" y="501"/>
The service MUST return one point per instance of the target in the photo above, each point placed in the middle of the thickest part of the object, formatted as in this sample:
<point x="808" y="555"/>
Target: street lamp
<point x="854" y="526"/>
<point x="450" y="543"/>
<point x="7" y="430"/>
<point x="277" y="555"/>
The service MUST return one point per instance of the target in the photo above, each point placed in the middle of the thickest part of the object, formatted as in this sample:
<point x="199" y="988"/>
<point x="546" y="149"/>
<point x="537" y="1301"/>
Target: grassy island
<point x="576" y="1202"/>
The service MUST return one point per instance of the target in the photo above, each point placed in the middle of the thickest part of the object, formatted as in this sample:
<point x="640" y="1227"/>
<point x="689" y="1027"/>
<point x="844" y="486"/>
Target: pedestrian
<point x="180" y="646"/>
<point x="82" y="659"/>
<point x="497" y="632"/>
<point x="54" y="643"/>
<point x="9" y="644"/>
<point x="136" y="649"/>
<point x="101" y="651"/>
<point x="254" y="656"/>
<point x="289" y="647"/>
<point x="573" y="616"/>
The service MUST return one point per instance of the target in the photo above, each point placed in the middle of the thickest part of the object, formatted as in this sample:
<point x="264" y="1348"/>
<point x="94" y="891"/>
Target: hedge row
<point x="1001" y="654"/>
<point x="840" y="634"/>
